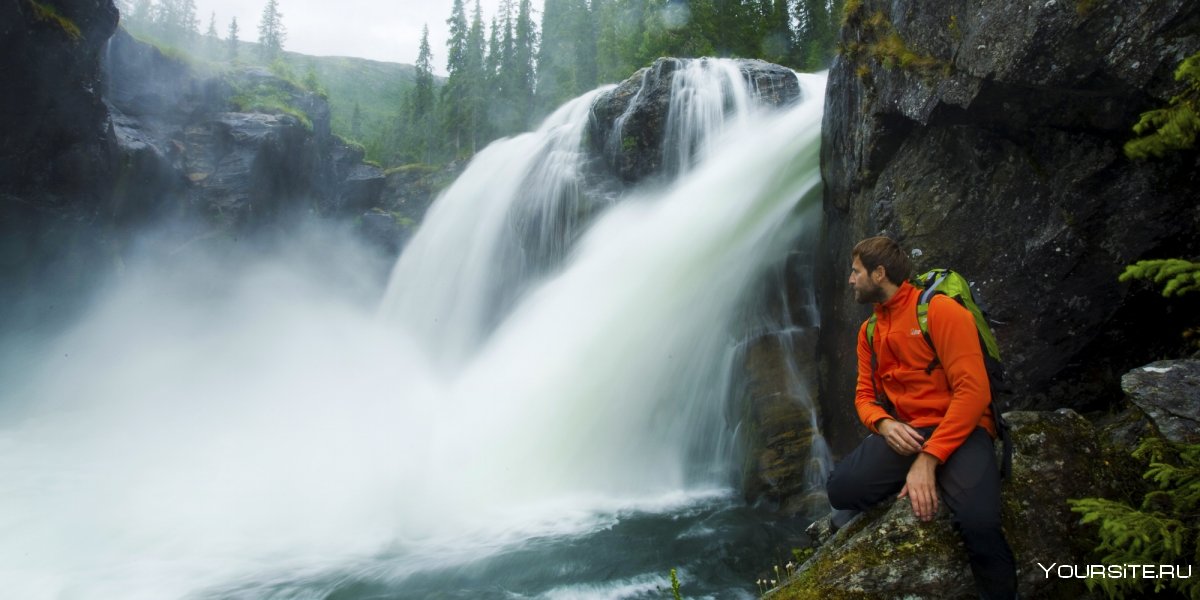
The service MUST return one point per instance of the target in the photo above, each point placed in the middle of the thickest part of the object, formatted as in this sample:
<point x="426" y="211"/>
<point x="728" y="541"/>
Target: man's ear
<point x="879" y="275"/>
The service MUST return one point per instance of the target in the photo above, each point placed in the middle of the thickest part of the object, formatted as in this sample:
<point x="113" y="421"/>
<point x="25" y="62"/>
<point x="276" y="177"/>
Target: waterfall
<point x="541" y="361"/>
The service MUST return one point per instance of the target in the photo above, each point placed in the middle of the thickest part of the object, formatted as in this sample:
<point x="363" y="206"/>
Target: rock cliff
<point x="988" y="138"/>
<point x="56" y="142"/>
<point x="108" y="135"/>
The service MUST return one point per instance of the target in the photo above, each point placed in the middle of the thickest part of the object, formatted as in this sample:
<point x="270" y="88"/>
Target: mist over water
<point x="275" y="424"/>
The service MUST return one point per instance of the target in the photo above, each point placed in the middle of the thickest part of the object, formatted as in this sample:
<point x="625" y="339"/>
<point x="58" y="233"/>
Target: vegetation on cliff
<point x="1162" y="530"/>
<point x="1172" y="127"/>
<point x="502" y="76"/>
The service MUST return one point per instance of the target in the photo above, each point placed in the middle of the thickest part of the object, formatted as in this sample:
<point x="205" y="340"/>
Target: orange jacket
<point x="955" y="397"/>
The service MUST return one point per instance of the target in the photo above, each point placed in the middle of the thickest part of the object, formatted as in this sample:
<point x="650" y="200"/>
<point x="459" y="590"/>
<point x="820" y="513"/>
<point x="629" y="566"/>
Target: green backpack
<point x="950" y="283"/>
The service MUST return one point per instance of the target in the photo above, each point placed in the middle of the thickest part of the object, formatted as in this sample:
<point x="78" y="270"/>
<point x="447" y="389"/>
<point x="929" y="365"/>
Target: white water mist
<point x="190" y="436"/>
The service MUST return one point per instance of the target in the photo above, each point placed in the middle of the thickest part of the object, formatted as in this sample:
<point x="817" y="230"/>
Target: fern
<point x="1179" y="276"/>
<point x="1174" y="126"/>
<point x="1162" y="531"/>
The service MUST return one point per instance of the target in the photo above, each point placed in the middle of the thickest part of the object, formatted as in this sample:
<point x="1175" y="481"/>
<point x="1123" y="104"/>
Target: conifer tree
<point x="189" y="22"/>
<point x="477" y="79"/>
<point x="1163" y="528"/>
<point x="525" y="49"/>
<point x="1173" y="127"/>
<point x="271" y="33"/>
<point x="456" y="95"/>
<point x="421" y="105"/>
<point x="566" y="59"/>
<point x="491" y="77"/>
<point x="211" y="39"/>
<point x="232" y="41"/>
<point x="777" y="35"/>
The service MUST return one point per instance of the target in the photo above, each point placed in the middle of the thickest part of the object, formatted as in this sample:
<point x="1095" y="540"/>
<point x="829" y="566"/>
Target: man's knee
<point x="844" y="490"/>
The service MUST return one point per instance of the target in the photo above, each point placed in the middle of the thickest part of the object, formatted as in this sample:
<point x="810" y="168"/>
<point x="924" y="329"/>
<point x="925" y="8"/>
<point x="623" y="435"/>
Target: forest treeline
<point x="507" y="72"/>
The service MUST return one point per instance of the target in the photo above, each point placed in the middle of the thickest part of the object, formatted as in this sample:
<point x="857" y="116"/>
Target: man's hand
<point x="900" y="437"/>
<point x="921" y="486"/>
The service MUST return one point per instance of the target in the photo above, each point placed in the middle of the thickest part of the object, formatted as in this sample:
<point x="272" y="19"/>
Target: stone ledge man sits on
<point x="938" y="435"/>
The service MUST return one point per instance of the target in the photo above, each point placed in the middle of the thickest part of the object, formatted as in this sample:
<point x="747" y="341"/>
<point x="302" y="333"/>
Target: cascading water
<point x="517" y="419"/>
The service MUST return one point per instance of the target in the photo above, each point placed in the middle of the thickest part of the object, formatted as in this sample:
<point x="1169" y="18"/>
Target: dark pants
<point x="969" y="484"/>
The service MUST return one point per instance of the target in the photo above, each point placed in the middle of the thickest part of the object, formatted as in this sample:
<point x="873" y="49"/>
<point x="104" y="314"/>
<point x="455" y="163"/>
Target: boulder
<point x="628" y="123"/>
<point x="1168" y="392"/>
<point x="988" y="138"/>
<point x="887" y="553"/>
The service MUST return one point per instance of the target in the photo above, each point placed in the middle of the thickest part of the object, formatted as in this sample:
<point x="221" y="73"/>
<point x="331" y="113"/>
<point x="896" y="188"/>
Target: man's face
<point x="866" y="291"/>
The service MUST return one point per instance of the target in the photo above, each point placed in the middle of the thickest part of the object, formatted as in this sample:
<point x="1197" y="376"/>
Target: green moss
<point x="955" y="30"/>
<point x="47" y="13"/>
<point x="628" y="143"/>
<point x="851" y="11"/>
<point x="267" y="97"/>
<point x="1084" y="8"/>
<point x="881" y="43"/>
<point x="418" y="168"/>
<point x="403" y="220"/>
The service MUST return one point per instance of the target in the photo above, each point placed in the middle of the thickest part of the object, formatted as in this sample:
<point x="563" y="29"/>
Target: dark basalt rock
<point x="58" y="157"/>
<point x="628" y="123"/>
<point x="1000" y="155"/>
<point x="1168" y="392"/>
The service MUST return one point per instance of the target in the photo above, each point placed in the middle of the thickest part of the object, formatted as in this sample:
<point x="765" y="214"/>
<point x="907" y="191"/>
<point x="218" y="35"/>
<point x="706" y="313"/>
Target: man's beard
<point x="871" y="295"/>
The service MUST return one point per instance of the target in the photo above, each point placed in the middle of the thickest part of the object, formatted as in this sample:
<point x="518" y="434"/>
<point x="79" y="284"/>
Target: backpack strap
<point x="1002" y="428"/>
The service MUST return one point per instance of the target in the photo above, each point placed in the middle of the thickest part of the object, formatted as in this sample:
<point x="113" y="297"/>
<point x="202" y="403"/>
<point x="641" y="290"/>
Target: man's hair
<point x="876" y="251"/>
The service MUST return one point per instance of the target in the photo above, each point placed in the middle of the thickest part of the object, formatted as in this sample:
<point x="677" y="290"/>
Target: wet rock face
<point x="780" y="465"/>
<point x="997" y="151"/>
<point x="887" y="553"/>
<point x="54" y="135"/>
<point x="1168" y="392"/>
<point x="628" y="124"/>
<point x="57" y="153"/>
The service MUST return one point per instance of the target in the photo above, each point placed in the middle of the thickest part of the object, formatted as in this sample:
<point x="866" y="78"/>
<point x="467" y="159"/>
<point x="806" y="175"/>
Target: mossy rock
<point x="887" y="553"/>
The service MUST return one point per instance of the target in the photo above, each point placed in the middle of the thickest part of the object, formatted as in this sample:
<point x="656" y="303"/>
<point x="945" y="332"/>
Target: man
<point x="935" y="435"/>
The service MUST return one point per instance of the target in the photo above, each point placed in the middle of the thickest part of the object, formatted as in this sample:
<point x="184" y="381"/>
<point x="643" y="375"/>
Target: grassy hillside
<point x="377" y="87"/>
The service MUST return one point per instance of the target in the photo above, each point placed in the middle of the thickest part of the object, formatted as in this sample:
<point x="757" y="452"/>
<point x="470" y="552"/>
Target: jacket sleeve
<point x="864" y="395"/>
<point x="956" y="340"/>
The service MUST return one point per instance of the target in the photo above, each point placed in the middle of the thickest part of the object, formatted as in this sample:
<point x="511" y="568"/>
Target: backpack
<point x="950" y="283"/>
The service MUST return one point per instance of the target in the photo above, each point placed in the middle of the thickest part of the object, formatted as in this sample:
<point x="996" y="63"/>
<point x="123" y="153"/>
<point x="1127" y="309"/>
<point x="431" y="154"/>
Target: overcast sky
<point x="387" y="30"/>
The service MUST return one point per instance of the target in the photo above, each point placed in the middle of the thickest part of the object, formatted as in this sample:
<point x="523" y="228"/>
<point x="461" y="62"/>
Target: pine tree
<point x="421" y="103"/>
<point x="456" y="94"/>
<point x="271" y="33"/>
<point x="233" y="39"/>
<point x="477" y="79"/>
<point x="566" y="59"/>
<point x="1176" y="275"/>
<point x="189" y="22"/>
<point x="1162" y="530"/>
<point x="815" y="40"/>
<point x="1175" y="126"/>
<point x="211" y="39"/>
<point x="525" y="50"/>
<point x="777" y="38"/>
<point x="492" y="82"/>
